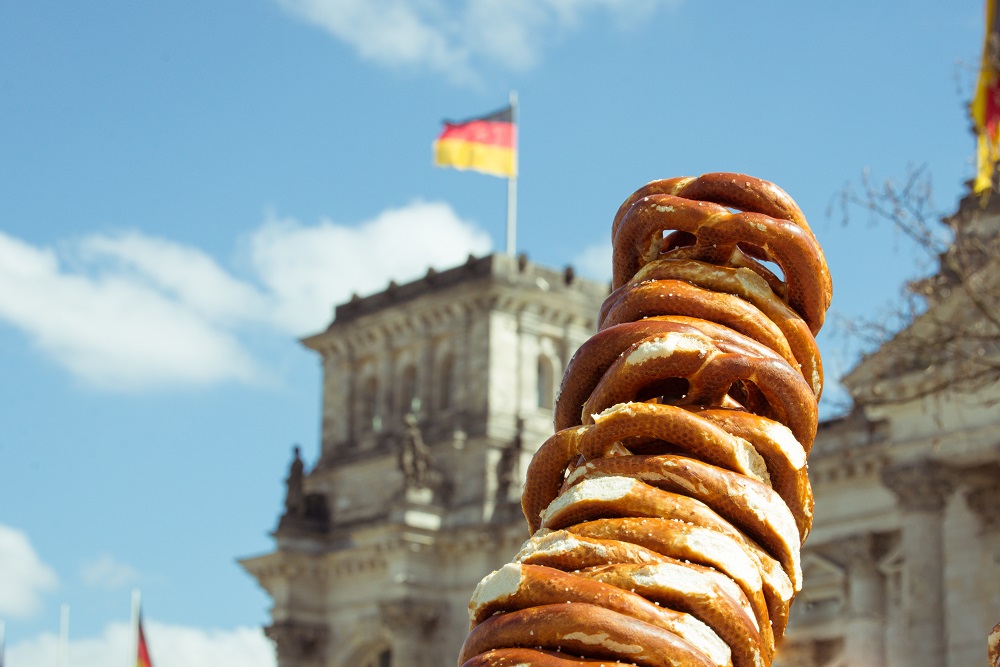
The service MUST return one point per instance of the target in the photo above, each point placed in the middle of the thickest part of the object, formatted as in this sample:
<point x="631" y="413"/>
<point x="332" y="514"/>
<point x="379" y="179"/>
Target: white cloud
<point x="24" y="578"/>
<point x="390" y="32"/>
<point x="130" y="311"/>
<point x="112" y="328"/>
<point x="169" y="646"/>
<point x="594" y="261"/>
<point x="108" y="572"/>
<point x="184" y="274"/>
<point x="455" y="38"/>
<point x="307" y="269"/>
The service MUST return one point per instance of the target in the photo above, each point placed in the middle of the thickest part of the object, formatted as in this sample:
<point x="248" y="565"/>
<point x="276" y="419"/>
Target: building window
<point x="383" y="659"/>
<point x="546" y="382"/>
<point x="447" y="380"/>
<point x="369" y="404"/>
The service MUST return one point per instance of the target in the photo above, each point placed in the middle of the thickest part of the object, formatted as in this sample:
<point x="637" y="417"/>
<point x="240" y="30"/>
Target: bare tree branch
<point x="944" y="332"/>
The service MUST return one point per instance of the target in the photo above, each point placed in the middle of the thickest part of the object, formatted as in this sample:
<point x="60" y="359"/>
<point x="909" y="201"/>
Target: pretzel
<point x="993" y="646"/>
<point x="668" y="509"/>
<point x="659" y="289"/>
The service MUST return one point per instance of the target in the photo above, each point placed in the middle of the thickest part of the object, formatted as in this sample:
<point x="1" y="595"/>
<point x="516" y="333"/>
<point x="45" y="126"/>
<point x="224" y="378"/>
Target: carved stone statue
<point x="414" y="455"/>
<point x="294" y="495"/>
<point x="506" y="467"/>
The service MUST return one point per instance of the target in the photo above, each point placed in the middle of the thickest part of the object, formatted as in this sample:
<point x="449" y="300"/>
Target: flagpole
<point x="62" y="658"/>
<point x="3" y="638"/>
<point x="512" y="185"/>
<point x="133" y="635"/>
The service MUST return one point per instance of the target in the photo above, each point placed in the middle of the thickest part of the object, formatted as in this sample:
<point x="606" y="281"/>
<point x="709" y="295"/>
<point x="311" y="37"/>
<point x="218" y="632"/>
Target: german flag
<point x="986" y="104"/>
<point x="487" y="144"/>
<point x="142" y="655"/>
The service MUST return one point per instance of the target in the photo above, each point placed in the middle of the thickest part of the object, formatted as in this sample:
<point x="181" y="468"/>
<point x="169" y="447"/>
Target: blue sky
<point x="186" y="188"/>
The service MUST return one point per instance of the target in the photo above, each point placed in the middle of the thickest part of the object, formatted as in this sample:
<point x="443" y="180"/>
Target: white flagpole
<point x="512" y="186"/>
<point x="133" y="635"/>
<point x="3" y="637"/>
<point x="63" y="654"/>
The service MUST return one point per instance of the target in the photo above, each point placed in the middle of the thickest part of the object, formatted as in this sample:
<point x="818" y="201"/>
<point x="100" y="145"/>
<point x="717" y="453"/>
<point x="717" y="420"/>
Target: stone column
<point x="299" y="644"/>
<point x="983" y="497"/>
<point x="864" y="642"/>
<point x="921" y="490"/>
<point x="412" y="623"/>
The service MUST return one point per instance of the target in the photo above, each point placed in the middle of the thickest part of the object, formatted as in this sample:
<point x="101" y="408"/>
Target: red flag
<point x="142" y="656"/>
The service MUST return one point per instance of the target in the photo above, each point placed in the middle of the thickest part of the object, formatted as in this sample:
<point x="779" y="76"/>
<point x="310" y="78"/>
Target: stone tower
<point x="435" y="395"/>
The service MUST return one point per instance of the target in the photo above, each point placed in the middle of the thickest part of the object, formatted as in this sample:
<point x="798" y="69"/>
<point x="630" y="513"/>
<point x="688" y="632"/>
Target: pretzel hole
<point x="668" y="391"/>
<point x="749" y="395"/>
<point x="672" y="240"/>
<point x="763" y="259"/>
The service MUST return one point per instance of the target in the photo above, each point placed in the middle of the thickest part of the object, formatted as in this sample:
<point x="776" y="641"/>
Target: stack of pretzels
<point x="668" y="510"/>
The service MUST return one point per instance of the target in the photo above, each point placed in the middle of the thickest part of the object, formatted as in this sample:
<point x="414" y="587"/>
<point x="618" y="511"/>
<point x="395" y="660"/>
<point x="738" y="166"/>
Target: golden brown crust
<point x="527" y="657"/>
<point x="668" y="509"/>
<point x="717" y="232"/>
<point x="585" y="630"/>
<point x="752" y="507"/>
<point x="538" y="585"/>
<point x="693" y="589"/>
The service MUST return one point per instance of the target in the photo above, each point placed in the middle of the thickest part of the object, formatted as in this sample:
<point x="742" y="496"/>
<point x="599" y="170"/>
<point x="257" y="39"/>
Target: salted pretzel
<point x="668" y="509"/>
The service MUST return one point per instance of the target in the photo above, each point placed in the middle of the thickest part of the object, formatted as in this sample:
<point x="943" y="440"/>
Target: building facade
<point x="437" y="393"/>
<point x="903" y="563"/>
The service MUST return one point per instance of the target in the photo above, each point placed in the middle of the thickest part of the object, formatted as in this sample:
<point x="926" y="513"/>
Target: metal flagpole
<point x="133" y="635"/>
<point x="512" y="185"/>
<point x="63" y="654"/>
<point x="2" y="640"/>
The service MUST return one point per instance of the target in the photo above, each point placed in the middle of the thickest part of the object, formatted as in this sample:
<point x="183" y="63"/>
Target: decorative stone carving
<point x="303" y="511"/>
<point x="411" y="616"/>
<point x="294" y="495"/>
<point x="983" y="496"/>
<point x="853" y="550"/>
<point x="414" y="455"/>
<point x="506" y="467"/>
<point x="923" y="486"/>
<point x="420" y="475"/>
<point x="299" y="642"/>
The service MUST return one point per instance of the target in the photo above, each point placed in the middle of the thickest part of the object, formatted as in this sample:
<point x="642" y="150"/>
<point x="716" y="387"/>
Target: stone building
<point x="436" y="394"/>
<point x="903" y="563"/>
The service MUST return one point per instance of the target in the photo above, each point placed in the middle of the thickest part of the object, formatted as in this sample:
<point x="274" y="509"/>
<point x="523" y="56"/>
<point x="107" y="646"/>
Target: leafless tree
<point x="945" y="329"/>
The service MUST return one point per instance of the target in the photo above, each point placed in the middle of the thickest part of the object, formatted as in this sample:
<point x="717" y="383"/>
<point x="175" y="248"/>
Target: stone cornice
<point x="492" y="273"/>
<point x="853" y="550"/>
<point x="284" y="564"/>
<point x="921" y="486"/>
<point x="982" y="495"/>
<point x="337" y="563"/>
<point x="846" y="465"/>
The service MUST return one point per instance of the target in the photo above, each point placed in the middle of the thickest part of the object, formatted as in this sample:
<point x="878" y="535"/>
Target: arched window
<point x="381" y="659"/>
<point x="369" y="404"/>
<point x="446" y="378"/>
<point x="546" y="382"/>
<point x="408" y="401"/>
